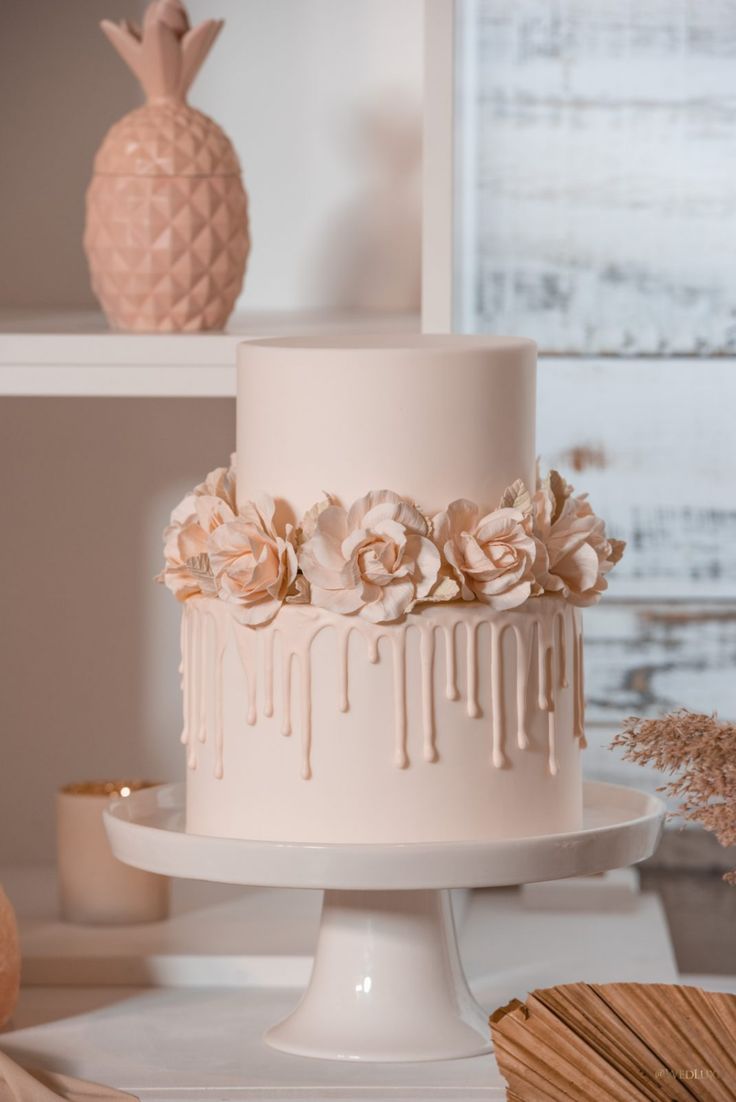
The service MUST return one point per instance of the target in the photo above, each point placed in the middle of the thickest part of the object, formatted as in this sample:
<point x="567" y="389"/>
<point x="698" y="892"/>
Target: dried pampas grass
<point x="702" y="751"/>
<point x="618" y="1042"/>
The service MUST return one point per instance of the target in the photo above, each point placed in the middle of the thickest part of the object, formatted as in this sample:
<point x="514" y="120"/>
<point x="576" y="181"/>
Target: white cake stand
<point x="387" y="983"/>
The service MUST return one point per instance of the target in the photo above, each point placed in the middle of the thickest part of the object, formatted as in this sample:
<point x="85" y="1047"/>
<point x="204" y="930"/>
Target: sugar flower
<point x="492" y="556"/>
<point x="187" y="570"/>
<point x="574" y="553"/>
<point x="254" y="565"/>
<point x="375" y="559"/>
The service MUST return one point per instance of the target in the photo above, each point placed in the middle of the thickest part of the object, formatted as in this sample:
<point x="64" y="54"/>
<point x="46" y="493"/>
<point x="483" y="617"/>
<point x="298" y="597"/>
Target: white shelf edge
<point x="69" y="354"/>
<point x="118" y="381"/>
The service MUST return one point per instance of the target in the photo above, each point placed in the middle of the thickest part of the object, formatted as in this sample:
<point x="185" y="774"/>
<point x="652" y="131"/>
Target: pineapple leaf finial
<point x="167" y="53"/>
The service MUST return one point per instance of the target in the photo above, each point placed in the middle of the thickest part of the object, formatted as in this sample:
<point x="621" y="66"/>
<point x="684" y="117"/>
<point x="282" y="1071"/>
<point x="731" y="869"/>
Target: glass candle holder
<point x="94" y="887"/>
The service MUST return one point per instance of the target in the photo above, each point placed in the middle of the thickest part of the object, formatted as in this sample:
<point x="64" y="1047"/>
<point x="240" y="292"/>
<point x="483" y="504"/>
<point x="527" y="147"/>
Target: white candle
<point x="94" y="887"/>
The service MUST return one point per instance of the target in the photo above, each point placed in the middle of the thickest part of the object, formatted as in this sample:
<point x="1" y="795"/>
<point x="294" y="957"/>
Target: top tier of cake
<point x="433" y="418"/>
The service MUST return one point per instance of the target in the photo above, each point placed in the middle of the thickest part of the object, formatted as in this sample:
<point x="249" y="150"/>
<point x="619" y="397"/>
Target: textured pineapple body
<point x="167" y="221"/>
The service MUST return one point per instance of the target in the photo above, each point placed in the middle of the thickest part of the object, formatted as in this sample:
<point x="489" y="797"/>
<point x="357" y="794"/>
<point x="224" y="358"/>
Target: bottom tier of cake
<point x="458" y="723"/>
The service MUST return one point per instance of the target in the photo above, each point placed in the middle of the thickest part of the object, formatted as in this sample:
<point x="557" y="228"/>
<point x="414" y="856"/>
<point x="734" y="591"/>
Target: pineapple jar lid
<point x="166" y="139"/>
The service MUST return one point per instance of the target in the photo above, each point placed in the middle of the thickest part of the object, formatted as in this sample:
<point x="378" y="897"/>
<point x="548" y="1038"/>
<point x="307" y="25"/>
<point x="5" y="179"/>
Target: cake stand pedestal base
<point x="387" y="983"/>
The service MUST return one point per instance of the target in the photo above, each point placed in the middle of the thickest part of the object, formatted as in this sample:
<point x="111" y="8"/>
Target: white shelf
<point x="216" y="935"/>
<point x="46" y="354"/>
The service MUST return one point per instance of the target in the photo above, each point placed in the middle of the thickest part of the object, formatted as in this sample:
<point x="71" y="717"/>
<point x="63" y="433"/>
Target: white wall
<point x="322" y="99"/>
<point x="88" y="642"/>
<point x="601" y="191"/>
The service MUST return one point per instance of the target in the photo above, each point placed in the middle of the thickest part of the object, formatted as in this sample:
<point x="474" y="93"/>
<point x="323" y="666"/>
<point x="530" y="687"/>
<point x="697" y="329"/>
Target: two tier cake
<point x="381" y="626"/>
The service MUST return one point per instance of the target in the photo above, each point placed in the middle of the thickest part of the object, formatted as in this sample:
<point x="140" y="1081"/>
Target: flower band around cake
<point x="381" y="557"/>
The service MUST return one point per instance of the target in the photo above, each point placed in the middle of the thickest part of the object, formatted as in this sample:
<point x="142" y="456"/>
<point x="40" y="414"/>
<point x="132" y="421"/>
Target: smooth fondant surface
<point x="433" y="418"/>
<point x="459" y="724"/>
<point x="454" y="722"/>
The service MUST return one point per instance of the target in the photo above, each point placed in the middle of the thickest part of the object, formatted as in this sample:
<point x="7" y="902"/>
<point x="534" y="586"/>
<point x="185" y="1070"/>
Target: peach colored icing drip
<point x="450" y="676"/>
<point x="578" y="682"/>
<point x="548" y="639"/>
<point x="203" y="642"/>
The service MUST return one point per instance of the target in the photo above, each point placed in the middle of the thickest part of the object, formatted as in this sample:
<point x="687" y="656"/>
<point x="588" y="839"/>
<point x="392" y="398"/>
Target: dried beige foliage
<point x="701" y="751"/>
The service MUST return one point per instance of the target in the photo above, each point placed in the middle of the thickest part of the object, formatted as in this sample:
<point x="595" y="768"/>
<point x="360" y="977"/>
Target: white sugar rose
<point x="375" y="559"/>
<point x="574" y="553"/>
<point x="254" y="566"/>
<point x="187" y="570"/>
<point x="491" y="556"/>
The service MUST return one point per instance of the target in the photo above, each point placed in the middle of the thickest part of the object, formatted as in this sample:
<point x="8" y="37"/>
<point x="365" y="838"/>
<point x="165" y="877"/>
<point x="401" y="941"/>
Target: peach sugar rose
<point x="375" y="559"/>
<point x="381" y="557"/>
<point x="574" y="553"/>
<point x="254" y="567"/>
<point x="491" y="557"/>
<point x="187" y="570"/>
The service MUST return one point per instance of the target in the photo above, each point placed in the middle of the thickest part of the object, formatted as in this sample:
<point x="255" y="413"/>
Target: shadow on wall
<point x="89" y="646"/>
<point x="61" y="89"/>
<point x="371" y="254"/>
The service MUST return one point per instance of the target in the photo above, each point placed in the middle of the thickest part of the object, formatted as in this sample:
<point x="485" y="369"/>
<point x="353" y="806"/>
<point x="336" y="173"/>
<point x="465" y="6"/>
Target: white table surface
<point x="201" y="1042"/>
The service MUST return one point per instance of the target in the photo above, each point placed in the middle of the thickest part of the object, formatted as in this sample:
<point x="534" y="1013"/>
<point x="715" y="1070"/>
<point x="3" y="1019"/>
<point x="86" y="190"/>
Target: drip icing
<point x="401" y="759"/>
<point x="562" y="646"/>
<point x="373" y="654"/>
<point x="305" y="664"/>
<point x="429" y="746"/>
<point x="343" y="641"/>
<point x="286" y="690"/>
<point x="471" y="695"/>
<point x="184" y="671"/>
<point x="451" y="692"/>
<point x="549" y="679"/>
<point x="214" y="643"/>
<point x="204" y="636"/>
<point x="543" y="686"/>
<point x="498" y="758"/>
<point x="247" y="645"/>
<point x="523" y="659"/>
<point x="203" y="648"/>
<point x="190" y="691"/>
<point x="268" y="646"/>
<point x="188" y="673"/>
<point x="578" y="698"/>
<point x="200" y="626"/>
<point x="219" y="718"/>
<point x="552" y="743"/>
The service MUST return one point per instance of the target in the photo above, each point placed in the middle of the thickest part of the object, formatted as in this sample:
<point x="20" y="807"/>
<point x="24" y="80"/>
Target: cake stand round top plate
<point x="620" y="827"/>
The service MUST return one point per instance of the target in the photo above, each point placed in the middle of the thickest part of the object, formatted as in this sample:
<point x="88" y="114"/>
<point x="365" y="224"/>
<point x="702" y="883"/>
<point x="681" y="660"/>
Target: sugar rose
<point x="375" y="559"/>
<point x="254" y="565"/>
<point x="187" y="570"/>
<point x="491" y="556"/>
<point x="574" y="553"/>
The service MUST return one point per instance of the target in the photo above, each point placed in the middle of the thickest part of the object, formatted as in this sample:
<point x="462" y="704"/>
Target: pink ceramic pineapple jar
<point x="167" y="219"/>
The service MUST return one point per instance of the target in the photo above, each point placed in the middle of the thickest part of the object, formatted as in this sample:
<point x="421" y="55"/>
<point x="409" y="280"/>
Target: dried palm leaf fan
<point x="618" y="1042"/>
